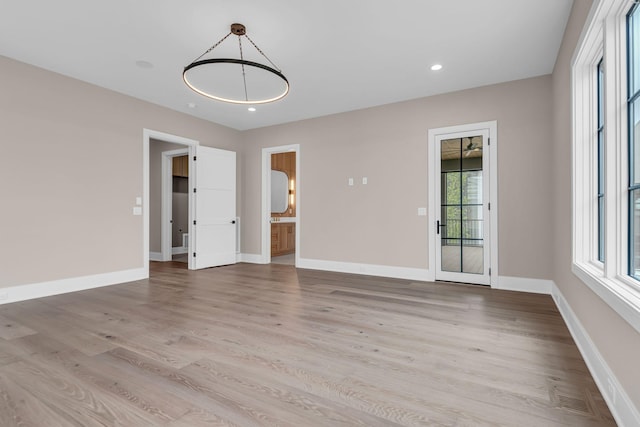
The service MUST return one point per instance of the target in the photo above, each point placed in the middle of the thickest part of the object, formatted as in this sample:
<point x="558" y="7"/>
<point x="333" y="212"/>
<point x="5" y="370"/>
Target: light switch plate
<point x="138" y="201"/>
<point x="351" y="182"/>
<point x="137" y="210"/>
<point x="422" y="211"/>
<point x="364" y="180"/>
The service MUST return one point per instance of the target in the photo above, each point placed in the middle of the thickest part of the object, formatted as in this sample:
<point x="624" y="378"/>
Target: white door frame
<point x="266" y="200"/>
<point x="166" y="233"/>
<point x="434" y="157"/>
<point x="147" y="136"/>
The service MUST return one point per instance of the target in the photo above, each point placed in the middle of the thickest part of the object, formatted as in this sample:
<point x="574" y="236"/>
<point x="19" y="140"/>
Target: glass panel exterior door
<point x="462" y="222"/>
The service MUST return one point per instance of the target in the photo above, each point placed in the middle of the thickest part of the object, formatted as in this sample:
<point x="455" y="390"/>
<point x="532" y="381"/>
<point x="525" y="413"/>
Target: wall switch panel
<point x="137" y="210"/>
<point x="364" y="180"/>
<point x="422" y="211"/>
<point x="351" y="182"/>
<point x="138" y="201"/>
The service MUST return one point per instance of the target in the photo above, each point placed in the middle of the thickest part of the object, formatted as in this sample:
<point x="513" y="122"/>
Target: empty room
<point x="284" y="213"/>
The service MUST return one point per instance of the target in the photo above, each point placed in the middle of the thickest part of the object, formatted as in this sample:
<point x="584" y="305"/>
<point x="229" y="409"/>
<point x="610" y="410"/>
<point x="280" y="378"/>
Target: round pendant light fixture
<point x="236" y="80"/>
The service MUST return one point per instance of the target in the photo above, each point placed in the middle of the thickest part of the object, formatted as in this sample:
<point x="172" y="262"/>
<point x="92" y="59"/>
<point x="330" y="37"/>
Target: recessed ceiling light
<point x="144" y="64"/>
<point x="436" y="67"/>
<point x="252" y="109"/>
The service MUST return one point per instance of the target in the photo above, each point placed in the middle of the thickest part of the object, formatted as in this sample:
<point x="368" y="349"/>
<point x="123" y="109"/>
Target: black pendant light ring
<point x="241" y="62"/>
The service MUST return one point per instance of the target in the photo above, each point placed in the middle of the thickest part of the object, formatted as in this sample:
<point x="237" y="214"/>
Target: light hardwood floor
<point x="252" y="345"/>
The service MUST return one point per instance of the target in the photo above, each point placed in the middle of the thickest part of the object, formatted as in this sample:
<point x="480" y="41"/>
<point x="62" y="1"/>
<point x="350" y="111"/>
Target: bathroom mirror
<point x="279" y="192"/>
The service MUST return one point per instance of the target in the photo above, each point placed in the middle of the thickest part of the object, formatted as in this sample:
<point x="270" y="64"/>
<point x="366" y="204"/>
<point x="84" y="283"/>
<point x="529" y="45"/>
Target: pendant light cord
<point x="212" y="47"/>
<point x="262" y="53"/>
<point x="239" y="40"/>
<point x="244" y="76"/>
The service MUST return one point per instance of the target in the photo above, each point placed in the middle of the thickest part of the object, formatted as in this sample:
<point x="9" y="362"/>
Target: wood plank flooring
<point x="269" y="345"/>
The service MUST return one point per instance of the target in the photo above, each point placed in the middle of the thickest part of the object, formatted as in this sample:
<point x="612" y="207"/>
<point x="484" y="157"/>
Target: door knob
<point x="233" y="221"/>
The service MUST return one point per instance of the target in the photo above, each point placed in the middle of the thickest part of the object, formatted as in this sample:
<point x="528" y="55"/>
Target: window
<point x="633" y="107"/>
<point x="600" y="155"/>
<point x="606" y="156"/>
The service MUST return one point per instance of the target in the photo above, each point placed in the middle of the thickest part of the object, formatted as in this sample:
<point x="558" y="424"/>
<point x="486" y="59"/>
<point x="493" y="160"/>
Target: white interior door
<point x="214" y="207"/>
<point x="463" y="249"/>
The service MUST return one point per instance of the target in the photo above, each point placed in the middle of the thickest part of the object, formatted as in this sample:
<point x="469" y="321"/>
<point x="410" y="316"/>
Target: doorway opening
<point x="212" y="221"/>
<point x="175" y="205"/>
<point x="463" y="203"/>
<point x="281" y="204"/>
<point x="159" y="149"/>
<point x="283" y="208"/>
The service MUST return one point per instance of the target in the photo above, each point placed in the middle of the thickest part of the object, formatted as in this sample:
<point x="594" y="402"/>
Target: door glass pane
<point x="462" y="244"/>
<point x="452" y="220"/>
<point x="472" y="222"/>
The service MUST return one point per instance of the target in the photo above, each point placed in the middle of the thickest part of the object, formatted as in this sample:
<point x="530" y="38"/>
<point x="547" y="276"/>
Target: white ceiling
<point x="338" y="55"/>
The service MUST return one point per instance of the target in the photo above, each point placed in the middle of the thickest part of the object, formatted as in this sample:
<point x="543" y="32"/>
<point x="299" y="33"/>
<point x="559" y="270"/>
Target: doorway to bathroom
<point x="281" y="205"/>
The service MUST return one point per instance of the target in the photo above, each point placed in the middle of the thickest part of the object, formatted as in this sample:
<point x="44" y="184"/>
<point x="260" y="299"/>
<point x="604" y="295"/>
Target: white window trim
<point x="604" y="37"/>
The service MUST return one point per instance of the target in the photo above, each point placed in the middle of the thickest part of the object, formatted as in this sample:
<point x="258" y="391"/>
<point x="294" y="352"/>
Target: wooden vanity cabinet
<point x="283" y="238"/>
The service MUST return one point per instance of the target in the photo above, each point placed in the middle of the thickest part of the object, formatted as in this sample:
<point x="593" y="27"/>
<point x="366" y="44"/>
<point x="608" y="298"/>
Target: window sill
<point x="617" y="293"/>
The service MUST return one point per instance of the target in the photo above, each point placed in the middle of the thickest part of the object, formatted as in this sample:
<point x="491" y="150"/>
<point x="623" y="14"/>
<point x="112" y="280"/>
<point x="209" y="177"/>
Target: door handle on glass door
<point x="438" y="225"/>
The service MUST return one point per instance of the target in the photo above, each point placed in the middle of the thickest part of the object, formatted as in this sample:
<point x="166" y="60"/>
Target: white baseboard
<point x="250" y="258"/>
<point x="524" y="284"/>
<point x="63" y="286"/>
<point x="621" y="406"/>
<point x="155" y="256"/>
<point x="407" y="273"/>
<point x="178" y="250"/>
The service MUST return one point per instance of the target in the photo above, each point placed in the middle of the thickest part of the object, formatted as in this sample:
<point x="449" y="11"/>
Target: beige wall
<point x="70" y="170"/>
<point x="618" y="342"/>
<point x="377" y="223"/>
